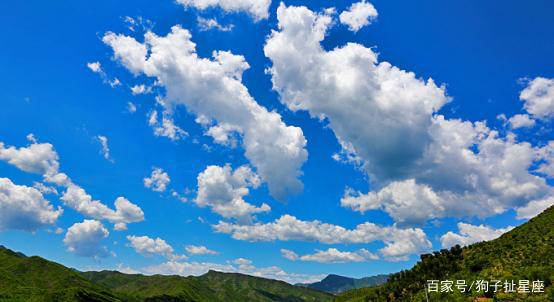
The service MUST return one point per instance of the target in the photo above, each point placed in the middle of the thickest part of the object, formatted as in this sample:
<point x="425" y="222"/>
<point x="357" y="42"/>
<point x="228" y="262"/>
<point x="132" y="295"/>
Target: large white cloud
<point x="158" y="181"/>
<point x="41" y="158"/>
<point x="24" y="208"/>
<point x="538" y="97"/>
<point x="332" y="255"/>
<point x="358" y="15"/>
<point x="85" y="239"/>
<point x="470" y="234"/>
<point x="387" y="121"/>
<point x="212" y="89"/>
<point x="223" y="190"/>
<point x="258" y="9"/>
<point x="149" y="246"/>
<point x="399" y="243"/>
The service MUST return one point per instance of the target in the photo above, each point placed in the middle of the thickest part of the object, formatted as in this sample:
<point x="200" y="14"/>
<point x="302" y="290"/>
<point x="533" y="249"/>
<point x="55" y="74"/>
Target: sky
<point x="288" y="140"/>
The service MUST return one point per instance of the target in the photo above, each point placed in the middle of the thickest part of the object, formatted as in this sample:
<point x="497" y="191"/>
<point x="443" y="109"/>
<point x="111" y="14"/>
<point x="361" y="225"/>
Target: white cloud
<point x="199" y="250"/>
<point x="44" y="189"/>
<point x="399" y="243"/>
<point x="41" y="158"/>
<point x="460" y="168"/>
<point x="132" y="108"/>
<point x="36" y="158"/>
<point x="223" y="190"/>
<point x="96" y="67"/>
<point x="258" y="9"/>
<point x="332" y="255"/>
<point x="534" y="208"/>
<point x="158" y="181"/>
<point x="539" y="97"/>
<point x="24" y="208"/>
<point x="205" y="24"/>
<point x="105" y="148"/>
<point x="213" y="89"/>
<point x="241" y="265"/>
<point x="290" y="255"/>
<point x="521" y="121"/>
<point x="125" y="211"/>
<point x="147" y="246"/>
<point x="358" y="15"/>
<point x="85" y="239"/>
<point x="140" y="89"/>
<point x="471" y="234"/>
<point x="165" y="128"/>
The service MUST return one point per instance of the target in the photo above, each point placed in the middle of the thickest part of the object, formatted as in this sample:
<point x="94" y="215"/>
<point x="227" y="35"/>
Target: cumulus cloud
<point x="212" y="88"/>
<point x="456" y="168"/>
<point x="358" y="15"/>
<point x="166" y="127"/>
<point x="534" y="208"/>
<point x="469" y="234"/>
<point x="521" y="121"/>
<point x="85" y="239"/>
<point x="140" y="89"/>
<point x="258" y="9"/>
<point x="205" y="24"/>
<point x="41" y="158"/>
<point x="399" y="243"/>
<point x="125" y="211"/>
<point x="24" y="208"/>
<point x="199" y="250"/>
<point x="44" y="189"/>
<point x="132" y="108"/>
<point x="223" y="190"/>
<point x="105" y="148"/>
<point x="158" y="181"/>
<point x="147" y="246"/>
<point x="332" y="255"/>
<point x="538" y="97"/>
<point x="96" y="67"/>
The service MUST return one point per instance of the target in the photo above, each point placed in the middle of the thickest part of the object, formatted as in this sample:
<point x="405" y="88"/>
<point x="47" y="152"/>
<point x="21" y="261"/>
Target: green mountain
<point x="213" y="286"/>
<point x="33" y="279"/>
<point x="336" y="284"/>
<point x="524" y="253"/>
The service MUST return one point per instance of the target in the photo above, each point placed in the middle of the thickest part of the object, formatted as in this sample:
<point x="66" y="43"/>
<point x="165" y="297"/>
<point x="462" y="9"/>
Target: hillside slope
<point x="212" y="286"/>
<point x="525" y="253"/>
<point x="337" y="284"/>
<point x="35" y="279"/>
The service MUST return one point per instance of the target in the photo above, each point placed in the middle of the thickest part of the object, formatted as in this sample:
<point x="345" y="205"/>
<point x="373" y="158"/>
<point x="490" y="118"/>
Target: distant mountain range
<point x="525" y="253"/>
<point x="25" y="278"/>
<point x="336" y="284"/>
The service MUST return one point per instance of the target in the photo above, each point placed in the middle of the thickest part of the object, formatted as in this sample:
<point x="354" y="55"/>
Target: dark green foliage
<point x="35" y="279"/>
<point x="337" y="284"/>
<point x="213" y="286"/>
<point x="525" y="253"/>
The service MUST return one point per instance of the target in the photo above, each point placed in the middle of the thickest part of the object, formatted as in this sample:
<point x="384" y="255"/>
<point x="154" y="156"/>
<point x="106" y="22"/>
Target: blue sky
<point x="406" y="167"/>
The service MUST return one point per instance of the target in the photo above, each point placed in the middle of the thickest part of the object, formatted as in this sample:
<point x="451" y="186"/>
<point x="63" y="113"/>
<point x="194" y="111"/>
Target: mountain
<point x="33" y="279"/>
<point x="337" y="284"/>
<point x="25" y="278"/>
<point x="212" y="286"/>
<point x="524" y="253"/>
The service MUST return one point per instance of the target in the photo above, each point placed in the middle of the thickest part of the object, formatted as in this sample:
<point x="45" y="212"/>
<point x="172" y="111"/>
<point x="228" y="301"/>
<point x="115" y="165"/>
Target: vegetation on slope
<point x="35" y="279"/>
<point x="213" y="286"/>
<point x="525" y="253"/>
<point x="337" y="284"/>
